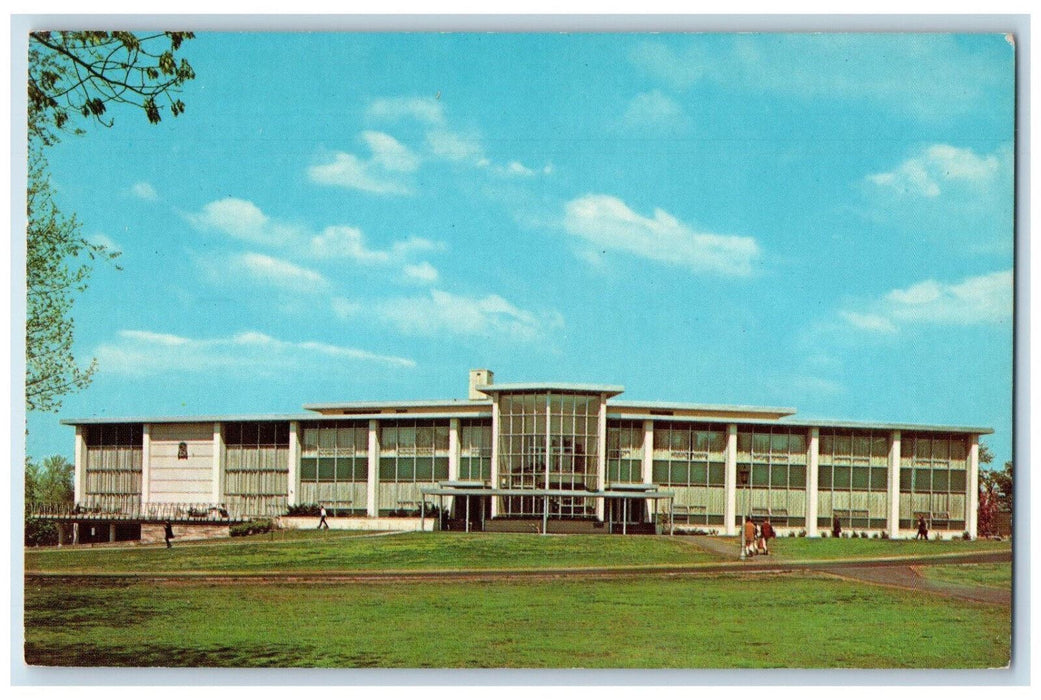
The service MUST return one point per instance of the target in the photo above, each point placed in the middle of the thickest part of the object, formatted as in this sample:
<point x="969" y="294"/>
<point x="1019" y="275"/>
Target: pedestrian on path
<point x="768" y="534"/>
<point x="168" y="534"/>
<point x="836" y="527"/>
<point x="322" y="523"/>
<point x="749" y="536"/>
<point x="923" y="529"/>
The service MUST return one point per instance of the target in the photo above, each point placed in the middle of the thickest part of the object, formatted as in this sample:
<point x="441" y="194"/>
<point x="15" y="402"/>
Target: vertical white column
<point x="218" y="445"/>
<point x="647" y="466"/>
<point x="146" y="463"/>
<point x="372" y="506"/>
<point x="294" y="463"/>
<point x="453" y="458"/>
<point x="79" y="458"/>
<point x="972" y="486"/>
<point x="812" y="469"/>
<point x="893" y="516"/>
<point x="730" y="481"/>
<point x="601" y="456"/>
<point x="495" y="453"/>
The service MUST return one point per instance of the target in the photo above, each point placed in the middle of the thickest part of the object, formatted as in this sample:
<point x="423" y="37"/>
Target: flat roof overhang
<point x="555" y="387"/>
<point x="666" y="409"/>
<point x="805" y="423"/>
<point x="271" y="418"/>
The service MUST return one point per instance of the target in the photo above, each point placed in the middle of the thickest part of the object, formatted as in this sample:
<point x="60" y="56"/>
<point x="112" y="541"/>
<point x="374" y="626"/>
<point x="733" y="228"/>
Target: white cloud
<point x="933" y="168"/>
<point x="145" y="191"/>
<point x="984" y="299"/>
<point x="424" y="109"/>
<point x="456" y="146"/>
<point x="421" y="272"/>
<point x="242" y="219"/>
<point x="652" y="109"/>
<point x="348" y="242"/>
<point x="869" y="322"/>
<point x="142" y="353"/>
<point x="381" y="173"/>
<point x="450" y="314"/>
<point x="278" y="273"/>
<point x="607" y="223"/>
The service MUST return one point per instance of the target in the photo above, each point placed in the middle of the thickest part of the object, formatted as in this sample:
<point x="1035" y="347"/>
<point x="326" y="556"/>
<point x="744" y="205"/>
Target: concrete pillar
<point x="293" y="477"/>
<point x="647" y="465"/>
<point x="812" y="470"/>
<point x="217" y="487"/>
<point x="61" y="533"/>
<point x="453" y="458"/>
<point x="80" y="461"/>
<point x="730" y="481"/>
<point x="111" y="532"/>
<point x="372" y="506"/>
<point x="146" y="464"/>
<point x="601" y="456"/>
<point x="495" y="453"/>
<point x="972" y="486"/>
<point x="75" y="533"/>
<point x="893" y="514"/>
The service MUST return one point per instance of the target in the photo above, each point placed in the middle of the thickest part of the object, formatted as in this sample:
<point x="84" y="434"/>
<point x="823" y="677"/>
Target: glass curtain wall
<point x="256" y="467"/>
<point x="853" y="478"/>
<point x="334" y="465"/>
<point x="933" y="469"/>
<point x="413" y="454"/>
<point x="113" y="467"/>
<point x="625" y="452"/>
<point x="776" y="459"/>
<point x="548" y="441"/>
<point x="690" y="459"/>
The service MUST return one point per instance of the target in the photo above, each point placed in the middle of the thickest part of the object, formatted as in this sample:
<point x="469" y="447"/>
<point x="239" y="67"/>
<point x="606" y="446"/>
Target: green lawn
<point x="992" y="575"/>
<point x="793" y="621"/>
<point x="333" y="551"/>
<point x="797" y="548"/>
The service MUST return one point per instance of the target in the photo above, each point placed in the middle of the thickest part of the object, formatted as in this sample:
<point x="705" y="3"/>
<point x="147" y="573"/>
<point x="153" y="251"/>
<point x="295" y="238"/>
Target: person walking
<point x="836" y="527"/>
<point x="322" y="523"/>
<point x="168" y="534"/>
<point x="923" y="529"/>
<point x="749" y="536"/>
<point x="768" y="534"/>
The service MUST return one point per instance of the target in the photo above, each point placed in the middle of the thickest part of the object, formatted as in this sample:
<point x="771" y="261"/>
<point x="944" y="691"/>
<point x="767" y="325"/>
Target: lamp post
<point x="742" y="479"/>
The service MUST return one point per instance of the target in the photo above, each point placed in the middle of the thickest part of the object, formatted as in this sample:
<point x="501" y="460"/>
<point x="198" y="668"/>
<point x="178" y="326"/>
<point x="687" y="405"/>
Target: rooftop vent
<point x="479" y="377"/>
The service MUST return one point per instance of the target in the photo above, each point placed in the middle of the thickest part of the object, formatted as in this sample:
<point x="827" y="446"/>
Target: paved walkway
<point x="884" y="572"/>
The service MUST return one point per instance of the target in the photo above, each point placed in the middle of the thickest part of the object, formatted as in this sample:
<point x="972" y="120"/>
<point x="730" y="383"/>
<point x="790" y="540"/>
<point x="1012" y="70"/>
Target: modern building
<point x="541" y="457"/>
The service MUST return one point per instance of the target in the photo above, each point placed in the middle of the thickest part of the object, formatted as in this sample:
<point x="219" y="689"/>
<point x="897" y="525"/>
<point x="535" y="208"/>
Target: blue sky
<point x="815" y="221"/>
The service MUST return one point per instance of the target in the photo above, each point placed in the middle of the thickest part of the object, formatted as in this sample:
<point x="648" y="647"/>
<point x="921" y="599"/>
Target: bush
<point x="252" y="527"/>
<point x="305" y="510"/>
<point x="885" y="534"/>
<point x="802" y="533"/>
<point x="966" y="536"/>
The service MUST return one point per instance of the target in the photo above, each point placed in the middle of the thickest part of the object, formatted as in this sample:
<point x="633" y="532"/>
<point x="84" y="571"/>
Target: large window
<point x="256" y="466"/>
<point x="853" y="478"/>
<point x="625" y="452"/>
<point x="933" y="469"/>
<point x="774" y="458"/>
<point x="689" y="459"/>
<point x="413" y="451"/>
<point x="334" y="452"/>
<point x="548" y="441"/>
<point x="113" y="465"/>
<point x="475" y="449"/>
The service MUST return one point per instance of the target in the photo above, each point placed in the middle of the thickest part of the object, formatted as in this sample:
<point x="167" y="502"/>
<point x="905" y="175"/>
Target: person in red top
<point x="768" y="534"/>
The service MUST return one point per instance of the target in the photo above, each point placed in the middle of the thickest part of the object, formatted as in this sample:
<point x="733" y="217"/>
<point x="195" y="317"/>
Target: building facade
<point x="528" y="457"/>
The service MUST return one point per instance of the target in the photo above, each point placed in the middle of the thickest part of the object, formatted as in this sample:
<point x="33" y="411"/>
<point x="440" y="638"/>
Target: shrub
<point x="966" y="536"/>
<point x="251" y="527"/>
<point x="885" y="534"/>
<point x="305" y="510"/>
<point x="802" y="533"/>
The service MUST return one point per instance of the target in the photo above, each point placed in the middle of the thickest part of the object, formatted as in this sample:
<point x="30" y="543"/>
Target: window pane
<point x="843" y="445"/>
<point x="326" y="468"/>
<point x="761" y="443"/>
<point x="922" y="480"/>
<point x="716" y="474"/>
<point x="824" y="477"/>
<point x="862" y="446"/>
<point x="760" y="474"/>
<point x="905" y="479"/>
<point x="660" y="471"/>
<point x="940" y="480"/>
<point x="424" y="468"/>
<point x="779" y="476"/>
<point x="698" y="474"/>
<point x="957" y="484"/>
<point x="779" y="443"/>
<point x="860" y="478"/>
<point x="879" y="479"/>
<point x="308" y="468"/>
<point x="841" y="478"/>
<point x="797" y="443"/>
<point x="797" y="477"/>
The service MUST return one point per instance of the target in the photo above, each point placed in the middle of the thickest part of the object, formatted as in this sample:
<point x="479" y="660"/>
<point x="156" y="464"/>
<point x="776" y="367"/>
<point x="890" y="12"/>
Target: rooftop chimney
<point x="479" y="377"/>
